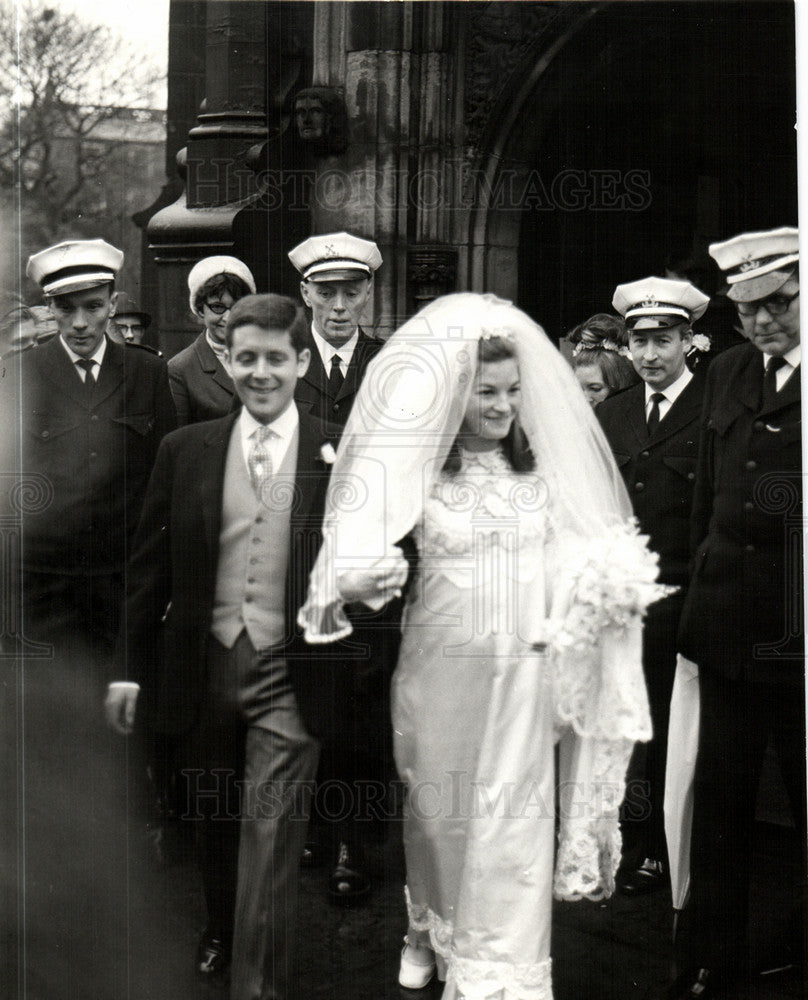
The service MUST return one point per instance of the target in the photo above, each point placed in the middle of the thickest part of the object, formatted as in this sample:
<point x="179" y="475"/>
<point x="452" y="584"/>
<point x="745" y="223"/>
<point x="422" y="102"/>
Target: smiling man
<point x="230" y="529"/>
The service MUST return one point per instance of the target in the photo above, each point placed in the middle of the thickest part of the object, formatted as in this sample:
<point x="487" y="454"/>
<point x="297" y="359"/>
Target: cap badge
<point x="750" y="263"/>
<point x="329" y="250"/>
<point x="650" y="302"/>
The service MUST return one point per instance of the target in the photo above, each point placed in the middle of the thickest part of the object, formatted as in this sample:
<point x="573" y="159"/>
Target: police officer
<point x="741" y="621"/>
<point x="337" y="271"/>
<point x="653" y="430"/>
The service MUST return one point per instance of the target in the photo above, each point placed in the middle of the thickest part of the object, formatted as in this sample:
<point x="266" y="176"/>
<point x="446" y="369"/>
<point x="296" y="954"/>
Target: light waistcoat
<point x="253" y="551"/>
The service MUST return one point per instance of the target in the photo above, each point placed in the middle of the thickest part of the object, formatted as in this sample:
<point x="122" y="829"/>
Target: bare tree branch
<point x="56" y="114"/>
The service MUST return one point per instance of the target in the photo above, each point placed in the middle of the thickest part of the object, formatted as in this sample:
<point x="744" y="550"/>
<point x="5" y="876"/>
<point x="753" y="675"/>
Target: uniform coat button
<point x="748" y="505"/>
<point x="644" y="454"/>
<point x="751" y="465"/>
<point x="750" y="548"/>
<point x="46" y="434"/>
<point x="639" y="487"/>
<point x="758" y="425"/>
<point x="691" y="476"/>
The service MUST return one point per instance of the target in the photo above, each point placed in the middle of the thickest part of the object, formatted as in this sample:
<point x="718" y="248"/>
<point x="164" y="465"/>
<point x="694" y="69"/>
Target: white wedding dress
<point x="473" y="725"/>
<point x="510" y="564"/>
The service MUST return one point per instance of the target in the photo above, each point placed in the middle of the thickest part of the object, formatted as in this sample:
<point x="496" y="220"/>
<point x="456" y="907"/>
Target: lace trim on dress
<point x="476" y="979"/>
<point x="589" y="840"/>
<point x="486" y="506"/>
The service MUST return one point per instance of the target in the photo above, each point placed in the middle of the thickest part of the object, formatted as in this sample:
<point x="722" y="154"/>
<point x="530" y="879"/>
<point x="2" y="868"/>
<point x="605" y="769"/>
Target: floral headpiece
<point x="497" y="333"/>
<point x="603" y="345"/>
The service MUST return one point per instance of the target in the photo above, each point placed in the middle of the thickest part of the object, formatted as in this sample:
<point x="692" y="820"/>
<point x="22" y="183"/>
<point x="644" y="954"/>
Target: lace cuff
<point x="591" y="788"/>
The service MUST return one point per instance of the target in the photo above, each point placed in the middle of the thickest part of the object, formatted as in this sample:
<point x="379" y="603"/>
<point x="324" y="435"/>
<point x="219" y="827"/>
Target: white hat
<point x="757" y="264"/>
<point x="74" y="266"/>
<point x="209" y="267"/>
<point x="336" y="257"/>
<point x="658" y="303"/>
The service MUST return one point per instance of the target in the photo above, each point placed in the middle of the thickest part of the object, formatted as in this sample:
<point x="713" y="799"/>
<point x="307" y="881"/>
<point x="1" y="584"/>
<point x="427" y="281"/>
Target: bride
<point x="521" y="629"/>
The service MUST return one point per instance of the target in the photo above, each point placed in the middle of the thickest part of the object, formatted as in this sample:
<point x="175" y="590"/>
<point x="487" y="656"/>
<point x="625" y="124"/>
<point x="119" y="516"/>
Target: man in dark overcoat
<point x="229" y="533"/>
<point x="82" y="420"/>
<point x="337" y="271"/>
<point x="90" y="416"/>
<point x="742" y="619"/>
<point x="653" y="429"/>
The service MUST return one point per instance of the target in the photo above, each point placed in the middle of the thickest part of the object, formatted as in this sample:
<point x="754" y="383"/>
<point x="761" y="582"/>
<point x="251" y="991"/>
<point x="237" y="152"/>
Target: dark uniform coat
<point x="742" y="625"/>
<point x="89" y="458"/>
<point x="659" y="471"/>
<point x="312" y="395"/>
<point x="201" y="387"/>
<point x="746" y="521"/>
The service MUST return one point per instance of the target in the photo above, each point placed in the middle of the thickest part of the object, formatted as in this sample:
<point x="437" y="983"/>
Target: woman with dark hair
<point x="600" y="357"/>
<point x="521" y="627"/>
<point x="201" y="387"/>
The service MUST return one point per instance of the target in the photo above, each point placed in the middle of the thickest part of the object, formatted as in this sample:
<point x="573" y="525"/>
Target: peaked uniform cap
<point x="757" y="264"/>
<point x="74" y="266"/>
<point x="336" y="257"/>
<point x="209" y="267"/>
<point x="657" y="303"/>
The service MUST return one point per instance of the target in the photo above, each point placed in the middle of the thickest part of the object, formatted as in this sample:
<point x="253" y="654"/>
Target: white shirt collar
<point x="283" y="426"/>
<point x="327" y="352"/>
<point x="98" y="356"/>
<point x="674" y="390"/>
<point x="793" y="357"/>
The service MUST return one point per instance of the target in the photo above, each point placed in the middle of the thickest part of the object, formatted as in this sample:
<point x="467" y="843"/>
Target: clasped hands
<point x="377" y="583"/>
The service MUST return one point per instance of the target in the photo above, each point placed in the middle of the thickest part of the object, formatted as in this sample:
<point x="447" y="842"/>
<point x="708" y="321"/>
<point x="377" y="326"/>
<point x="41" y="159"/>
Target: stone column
<point x="218" y="181"/>
<point x="393" y="65"/>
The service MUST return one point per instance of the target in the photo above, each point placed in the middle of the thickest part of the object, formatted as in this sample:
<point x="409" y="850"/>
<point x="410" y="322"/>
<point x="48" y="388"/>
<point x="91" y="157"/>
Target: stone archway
<point x="640" y="130"/>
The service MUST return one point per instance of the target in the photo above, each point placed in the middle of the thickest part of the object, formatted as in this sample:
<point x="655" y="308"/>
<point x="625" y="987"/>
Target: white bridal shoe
<point x="417" y="966"/>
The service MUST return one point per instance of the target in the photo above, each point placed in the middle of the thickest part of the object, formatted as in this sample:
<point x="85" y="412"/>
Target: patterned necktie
<point x="770" y="381"/>
<point x="653" y="416"/>
<point x="89" y="379"/>
<point x="260" y="461"/>
<point x="335" y="378"/>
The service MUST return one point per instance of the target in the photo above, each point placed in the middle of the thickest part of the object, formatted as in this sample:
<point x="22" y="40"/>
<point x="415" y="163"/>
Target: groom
<point x="230" y="529"/>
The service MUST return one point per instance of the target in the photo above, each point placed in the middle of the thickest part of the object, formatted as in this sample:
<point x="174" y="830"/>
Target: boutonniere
<point x="701" y="343"/>
<point x="327" y="453"/>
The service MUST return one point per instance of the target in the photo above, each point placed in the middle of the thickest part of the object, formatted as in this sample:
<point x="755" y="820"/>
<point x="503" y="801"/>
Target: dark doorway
<point x="657" y="129"/>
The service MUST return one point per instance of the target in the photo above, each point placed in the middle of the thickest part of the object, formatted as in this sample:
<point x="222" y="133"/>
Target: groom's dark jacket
<point x="171" y="578"/>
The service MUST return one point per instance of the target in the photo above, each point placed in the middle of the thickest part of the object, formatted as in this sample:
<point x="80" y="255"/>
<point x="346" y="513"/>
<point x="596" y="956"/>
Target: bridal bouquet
<point x="609" y="583"/>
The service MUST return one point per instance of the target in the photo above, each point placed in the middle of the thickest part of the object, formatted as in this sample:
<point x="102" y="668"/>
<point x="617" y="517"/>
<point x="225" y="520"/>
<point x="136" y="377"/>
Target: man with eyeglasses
<point x="741" y="622"/>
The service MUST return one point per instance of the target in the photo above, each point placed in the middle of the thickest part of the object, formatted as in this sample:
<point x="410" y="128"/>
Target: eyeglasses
<point x="775" y="305"/>
<point x="218" y="308"/>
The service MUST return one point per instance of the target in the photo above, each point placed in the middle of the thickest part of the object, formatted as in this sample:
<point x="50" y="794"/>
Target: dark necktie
<point x="653" y="416"/>
<point x="335" y="377"/>
<point x="89" y="379"/>
<point x="770" y="381"/>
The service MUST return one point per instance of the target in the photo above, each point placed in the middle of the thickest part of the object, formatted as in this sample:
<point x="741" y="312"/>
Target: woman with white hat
<point x="201" y="387"/>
